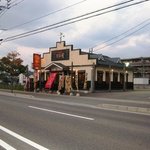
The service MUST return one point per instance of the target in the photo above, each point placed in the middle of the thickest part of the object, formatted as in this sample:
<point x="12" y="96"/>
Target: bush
<point x="9" y="86"/>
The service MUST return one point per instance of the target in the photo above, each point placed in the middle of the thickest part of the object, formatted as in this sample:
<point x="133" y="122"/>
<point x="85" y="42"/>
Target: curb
<point x="125" y="108"/>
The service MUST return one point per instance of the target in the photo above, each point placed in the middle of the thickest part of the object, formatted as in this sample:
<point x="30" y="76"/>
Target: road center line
<point x="62" y="113"/>
<point x="6" y="146"/>
<point x="33" y="144"/>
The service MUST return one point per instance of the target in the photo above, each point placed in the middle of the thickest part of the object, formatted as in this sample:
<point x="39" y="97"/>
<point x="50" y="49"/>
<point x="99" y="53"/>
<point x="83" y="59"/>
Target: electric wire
<point x="48" y="14"/>
<point x="119" y="35"/>
<point x="14" y="4"/>
<point x="79" y="16"/>
<point x="123" y="37"/>
<point x="60" y="25"/>
<point x="2" y="9"/>
<point x="10" y="6"/>
<point x="49" y="27"/>
<point x="2" y="12"/>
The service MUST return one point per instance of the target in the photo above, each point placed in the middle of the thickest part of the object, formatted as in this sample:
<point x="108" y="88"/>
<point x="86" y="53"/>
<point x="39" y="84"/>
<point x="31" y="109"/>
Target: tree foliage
<point x="11" y="65"/>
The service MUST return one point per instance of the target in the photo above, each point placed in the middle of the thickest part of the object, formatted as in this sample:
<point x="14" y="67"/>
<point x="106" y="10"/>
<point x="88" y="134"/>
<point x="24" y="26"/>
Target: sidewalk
<point x="139" y="95"/>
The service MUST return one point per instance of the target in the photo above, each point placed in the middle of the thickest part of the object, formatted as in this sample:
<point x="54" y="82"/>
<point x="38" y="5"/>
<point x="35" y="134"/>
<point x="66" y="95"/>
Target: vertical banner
<point x="68" y="84"/>
<point x="50" y="81"/>
<point x="36" y="61"/>
<point x="85" y="82"/>
<point x="61" y="82"/>
<point x="76" y="80"/>
<point x="35" y="80"/>
<point x="36" y="67"/>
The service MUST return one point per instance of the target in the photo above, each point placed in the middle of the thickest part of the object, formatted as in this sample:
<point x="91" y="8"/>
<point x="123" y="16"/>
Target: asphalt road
<point x="28" y="124"/>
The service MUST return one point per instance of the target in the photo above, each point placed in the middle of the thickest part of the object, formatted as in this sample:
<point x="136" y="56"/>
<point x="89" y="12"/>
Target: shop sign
<point x="36" y="61"/>
<point x="60" y="55"/>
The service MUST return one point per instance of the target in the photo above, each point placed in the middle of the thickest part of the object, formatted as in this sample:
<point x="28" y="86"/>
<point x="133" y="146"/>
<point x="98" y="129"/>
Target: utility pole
<point x="92" y="78"/>
<point x="8" y="4"/>
<point x="5" y="6"/>
<point x="71" y="92"/>
<point x="124" y="81"/>
<point x="109" y="87"/>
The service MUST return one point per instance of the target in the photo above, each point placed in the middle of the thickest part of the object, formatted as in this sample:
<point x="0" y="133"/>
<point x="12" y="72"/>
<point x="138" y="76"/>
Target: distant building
<point x="26" y="81"/>
<point x="141" y="67"/>
<point x="87" y="71"/>
<point x="22" y="79"/>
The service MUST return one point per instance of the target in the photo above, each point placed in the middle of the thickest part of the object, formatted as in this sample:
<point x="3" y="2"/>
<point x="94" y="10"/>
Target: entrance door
<point x="81" y="79"/>
<point x="107" y="77"/>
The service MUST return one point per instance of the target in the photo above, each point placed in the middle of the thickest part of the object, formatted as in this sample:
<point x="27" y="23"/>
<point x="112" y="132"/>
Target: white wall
<point x="141" y="81"/>
<point x="21" y="79"/>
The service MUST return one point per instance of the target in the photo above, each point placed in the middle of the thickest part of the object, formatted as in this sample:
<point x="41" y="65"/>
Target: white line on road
<point x="33" y="144"/>
<point x="6" y="146"/>
<point x="62" y="113"/>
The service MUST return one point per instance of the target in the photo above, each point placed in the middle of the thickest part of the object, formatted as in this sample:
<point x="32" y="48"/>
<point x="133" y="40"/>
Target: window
<point x="121" y="78"/>
<point x="115" y="77"/>
<point x="81" y="79"/>
<point x="107" y="77"/>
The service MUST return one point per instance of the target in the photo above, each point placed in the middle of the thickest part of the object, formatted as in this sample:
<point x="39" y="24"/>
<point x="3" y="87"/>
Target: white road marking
<point x="6" y="146"/>
<point x="62" y="113"/>
<point x="29" y="142"/>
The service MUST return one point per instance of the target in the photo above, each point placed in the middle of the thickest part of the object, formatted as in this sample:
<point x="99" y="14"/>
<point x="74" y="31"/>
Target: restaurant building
<point x="64" y="68"/>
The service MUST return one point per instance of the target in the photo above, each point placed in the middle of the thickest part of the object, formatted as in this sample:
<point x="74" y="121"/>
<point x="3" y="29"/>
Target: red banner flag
<point x="36" y="61"/>
<point x="50" y="81"/>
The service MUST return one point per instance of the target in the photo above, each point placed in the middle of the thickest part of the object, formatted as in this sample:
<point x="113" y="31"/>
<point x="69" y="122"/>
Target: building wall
<point x="104" y="70"/>
<point x="73" y="55"/>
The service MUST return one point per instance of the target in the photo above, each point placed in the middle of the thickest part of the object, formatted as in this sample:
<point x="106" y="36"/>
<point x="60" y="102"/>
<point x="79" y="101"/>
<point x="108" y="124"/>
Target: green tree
<point x="11" y="65"/>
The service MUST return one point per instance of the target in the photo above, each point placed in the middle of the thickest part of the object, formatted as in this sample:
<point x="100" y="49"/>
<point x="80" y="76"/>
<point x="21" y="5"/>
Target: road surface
<point x="28" y="123"/>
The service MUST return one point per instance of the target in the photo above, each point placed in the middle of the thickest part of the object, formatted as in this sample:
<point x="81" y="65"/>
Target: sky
<point x="124" y="33"/>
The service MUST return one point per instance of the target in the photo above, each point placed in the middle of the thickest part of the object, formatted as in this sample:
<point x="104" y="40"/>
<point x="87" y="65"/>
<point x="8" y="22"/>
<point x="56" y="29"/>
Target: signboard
<point x="60" y="55"/>
<point x="36" y="61"/>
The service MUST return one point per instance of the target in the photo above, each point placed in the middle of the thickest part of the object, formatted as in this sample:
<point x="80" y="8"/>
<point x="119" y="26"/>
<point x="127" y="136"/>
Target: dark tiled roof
<point x="105" y="60"/>
<point x="136" y="58"/>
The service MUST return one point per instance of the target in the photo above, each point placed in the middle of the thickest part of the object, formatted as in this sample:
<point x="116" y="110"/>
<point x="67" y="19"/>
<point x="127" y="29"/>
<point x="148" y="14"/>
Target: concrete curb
<point x="16" y="94"/>
<point x="125" y="108"/>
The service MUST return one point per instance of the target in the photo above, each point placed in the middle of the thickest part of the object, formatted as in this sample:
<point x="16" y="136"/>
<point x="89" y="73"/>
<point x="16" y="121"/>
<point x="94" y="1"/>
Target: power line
<point x="124" y="37"/>
<point x="66" y="22"/>
<point x="115" y="37"/>
<point x="14" y="3"/>
<point x="71" y="19"/>
<point x="3" y="7"/>
<point x="48" y="14"/>
<point x="81" y="16"/>
<point x="3" y="12"/>
<point x="10" y="5"/>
